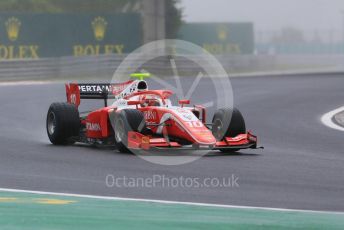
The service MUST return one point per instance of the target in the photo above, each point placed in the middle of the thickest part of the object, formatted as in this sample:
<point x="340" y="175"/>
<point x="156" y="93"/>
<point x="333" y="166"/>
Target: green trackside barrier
<point x="53" y="35"/>
<point x="220" y="38"/>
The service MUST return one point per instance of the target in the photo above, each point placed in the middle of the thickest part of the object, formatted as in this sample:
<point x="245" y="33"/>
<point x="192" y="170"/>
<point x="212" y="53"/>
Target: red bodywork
<point x="177" y="122"/>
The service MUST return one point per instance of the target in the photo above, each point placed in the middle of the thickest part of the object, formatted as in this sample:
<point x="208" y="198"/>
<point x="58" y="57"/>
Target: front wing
<point x="242" y="141"/>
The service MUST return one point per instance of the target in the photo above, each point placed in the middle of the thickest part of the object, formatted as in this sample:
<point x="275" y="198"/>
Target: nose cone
<point x="203" y="136"/>
<point x="193" y="126"/>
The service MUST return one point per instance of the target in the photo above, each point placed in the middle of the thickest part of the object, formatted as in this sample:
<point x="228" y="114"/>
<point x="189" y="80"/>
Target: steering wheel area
<point x="151" y="97"/>
<point x="149" y="101"/>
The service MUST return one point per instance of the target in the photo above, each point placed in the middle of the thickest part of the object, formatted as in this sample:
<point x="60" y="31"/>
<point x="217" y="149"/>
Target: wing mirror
<point x="183" y="102"/>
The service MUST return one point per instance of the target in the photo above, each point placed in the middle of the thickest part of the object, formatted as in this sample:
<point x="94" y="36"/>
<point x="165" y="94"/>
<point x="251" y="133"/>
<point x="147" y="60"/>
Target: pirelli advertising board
<point x="220" y="38"/>
<point x="52" y="35"/>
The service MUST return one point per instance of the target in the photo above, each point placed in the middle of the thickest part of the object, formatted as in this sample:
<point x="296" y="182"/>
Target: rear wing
<point x="75" y="92"/>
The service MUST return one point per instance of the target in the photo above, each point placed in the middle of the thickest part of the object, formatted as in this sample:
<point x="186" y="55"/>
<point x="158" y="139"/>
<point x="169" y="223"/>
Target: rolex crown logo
<point x="13" y="27"/>
<point x="222" y="33"/>
<point x="99" y="25"/>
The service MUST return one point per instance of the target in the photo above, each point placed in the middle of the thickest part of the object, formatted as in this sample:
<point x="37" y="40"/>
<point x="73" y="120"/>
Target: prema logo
<point x="150" y="115"/>
<point x="93" y="126"/>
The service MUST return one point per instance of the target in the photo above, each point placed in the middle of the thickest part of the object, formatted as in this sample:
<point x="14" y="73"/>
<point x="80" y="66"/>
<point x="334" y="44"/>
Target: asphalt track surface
<point x="301" y="167"/>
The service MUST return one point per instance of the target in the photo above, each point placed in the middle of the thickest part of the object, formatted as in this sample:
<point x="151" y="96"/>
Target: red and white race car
<point x="143" y="119"/>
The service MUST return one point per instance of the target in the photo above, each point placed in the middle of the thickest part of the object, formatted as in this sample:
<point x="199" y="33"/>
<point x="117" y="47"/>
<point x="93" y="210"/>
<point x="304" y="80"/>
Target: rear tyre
<point x="228" y="122"/>
<point x="62" y="123"/>
<point x="127" y="120"/>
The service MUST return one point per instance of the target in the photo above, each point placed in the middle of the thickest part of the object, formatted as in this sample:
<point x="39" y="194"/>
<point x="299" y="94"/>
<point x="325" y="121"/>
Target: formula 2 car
<point x="143" y="119"/>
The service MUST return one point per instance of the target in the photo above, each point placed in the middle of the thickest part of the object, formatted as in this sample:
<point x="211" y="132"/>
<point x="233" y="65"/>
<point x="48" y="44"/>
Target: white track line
<point x="166" y="201"/>
<point x="326" y="119"/>
<point x="19" y="83"/>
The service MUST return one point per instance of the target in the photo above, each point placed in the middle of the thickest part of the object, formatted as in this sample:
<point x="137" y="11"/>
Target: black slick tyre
<point x="127" y="120"/>
<point x="63" y="123"/>
<point x="228" y="122"/>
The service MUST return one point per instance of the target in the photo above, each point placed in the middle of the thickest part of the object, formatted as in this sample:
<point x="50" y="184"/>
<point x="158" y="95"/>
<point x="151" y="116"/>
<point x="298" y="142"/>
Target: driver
<point x="149" y="101"/>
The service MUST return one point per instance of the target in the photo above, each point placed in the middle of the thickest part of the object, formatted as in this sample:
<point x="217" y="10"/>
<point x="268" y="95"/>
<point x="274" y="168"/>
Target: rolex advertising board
<point x="220" y="38"/>
<point x="52" y="35"/>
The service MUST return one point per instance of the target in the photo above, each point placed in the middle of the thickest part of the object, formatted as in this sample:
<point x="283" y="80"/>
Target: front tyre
<point x="228" y="122"/>
<point x="62" y="123"/>
<point x="127" y="120"/>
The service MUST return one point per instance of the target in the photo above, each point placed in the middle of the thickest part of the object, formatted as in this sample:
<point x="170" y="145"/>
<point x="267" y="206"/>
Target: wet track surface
<point x="302" y="166"/>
